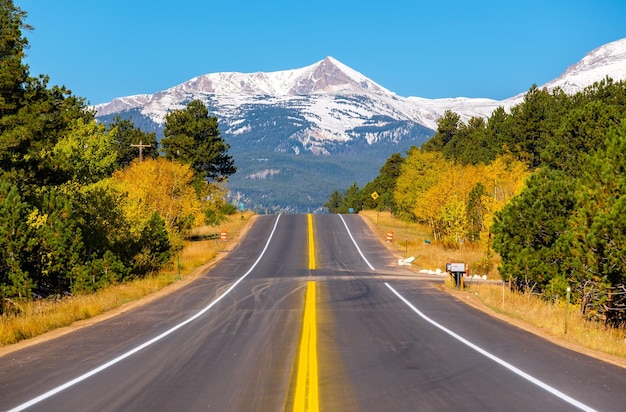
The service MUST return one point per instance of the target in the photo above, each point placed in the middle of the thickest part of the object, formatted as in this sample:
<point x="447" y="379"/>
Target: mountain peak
<point x="606" y="60"/>
<point x="327" y="75"/>
<point x="330" y="75"/>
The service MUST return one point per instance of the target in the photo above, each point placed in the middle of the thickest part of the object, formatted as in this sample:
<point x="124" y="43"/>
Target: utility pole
<point x="141" y="146"/>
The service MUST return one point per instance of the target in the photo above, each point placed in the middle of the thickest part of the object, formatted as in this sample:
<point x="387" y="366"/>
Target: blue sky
<point x="439" y="48"/>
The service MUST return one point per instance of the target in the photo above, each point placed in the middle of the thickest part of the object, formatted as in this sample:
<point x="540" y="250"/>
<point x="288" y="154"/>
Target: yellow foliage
<point x="437" y="191"/>
<point x="506" y="176"/>
<point x="453" y="184"/>
<point x="419" y="172"/>
<point x="35" y="220"/>
<point x="162" y="186"/>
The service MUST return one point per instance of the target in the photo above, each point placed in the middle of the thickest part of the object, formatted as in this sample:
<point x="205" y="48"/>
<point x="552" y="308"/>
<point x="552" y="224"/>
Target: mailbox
<point x="457" y="270"/>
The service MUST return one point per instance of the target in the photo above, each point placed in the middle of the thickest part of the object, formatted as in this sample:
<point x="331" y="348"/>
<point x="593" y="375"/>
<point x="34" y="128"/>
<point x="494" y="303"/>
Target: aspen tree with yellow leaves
<point x="159" y="185"/>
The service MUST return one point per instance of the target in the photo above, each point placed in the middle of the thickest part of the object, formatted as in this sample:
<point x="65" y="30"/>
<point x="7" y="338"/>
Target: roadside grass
<point x="525" y="310"/>
<point x="412" y="239"/>
<point x="553" y="319"/>
<point x="31" y="319"/>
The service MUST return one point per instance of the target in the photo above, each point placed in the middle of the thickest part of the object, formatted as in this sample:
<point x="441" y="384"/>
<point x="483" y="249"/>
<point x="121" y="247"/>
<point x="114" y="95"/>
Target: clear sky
<point x="438" y="48"/>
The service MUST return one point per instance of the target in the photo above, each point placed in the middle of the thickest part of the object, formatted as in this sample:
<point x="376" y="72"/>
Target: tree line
<point x="543" y="185"/>
<point x="78" y="209"/>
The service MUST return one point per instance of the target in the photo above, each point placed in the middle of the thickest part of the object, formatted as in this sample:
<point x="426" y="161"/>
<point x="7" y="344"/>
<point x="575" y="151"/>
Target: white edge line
<point x="357" y="246"/>
<point x="144" y="345"/>
<point x="494" y="358"/>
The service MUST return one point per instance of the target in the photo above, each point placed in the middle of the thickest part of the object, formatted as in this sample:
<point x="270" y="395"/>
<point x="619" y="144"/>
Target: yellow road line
<point x="306" y="398"/>
<point x="311" y="244"/>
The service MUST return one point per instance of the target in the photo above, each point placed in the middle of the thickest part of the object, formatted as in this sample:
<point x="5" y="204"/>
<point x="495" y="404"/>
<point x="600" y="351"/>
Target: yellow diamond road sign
<point x="374" y="195"/>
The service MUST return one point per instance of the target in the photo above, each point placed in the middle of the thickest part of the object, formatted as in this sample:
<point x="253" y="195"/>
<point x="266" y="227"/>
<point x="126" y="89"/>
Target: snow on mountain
<point x="325" y="76"/>
<point x="335" y="104"/>
<point x="273" y="121"/>
<point x="301" y="133"/>
<point x="316" y="88"/>
<point x="432" y="109"/>
<point x="121" y="104"/>
<point x="607" y="60"/>
<point x="328" y="75"/>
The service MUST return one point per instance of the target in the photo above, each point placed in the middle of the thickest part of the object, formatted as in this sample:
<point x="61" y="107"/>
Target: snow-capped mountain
<point x="607" y="60"/>
<point x="326" y="76"/>
<point x="295" y="135"/>
<point x="329" y="104"/>
<point x="325" y="123"/>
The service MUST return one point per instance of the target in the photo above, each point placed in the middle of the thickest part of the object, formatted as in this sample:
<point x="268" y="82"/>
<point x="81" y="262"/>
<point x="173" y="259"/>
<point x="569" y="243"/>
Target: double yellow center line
<point x="311" y="244"/>
<point x="306" y="398"/>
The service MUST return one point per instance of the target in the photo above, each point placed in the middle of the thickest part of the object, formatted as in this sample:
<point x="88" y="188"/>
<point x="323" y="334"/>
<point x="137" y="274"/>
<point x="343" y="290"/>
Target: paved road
<point x="229" y="341"/>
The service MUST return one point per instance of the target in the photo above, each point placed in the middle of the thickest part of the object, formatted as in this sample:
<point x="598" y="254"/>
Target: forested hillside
<point x="83" y="205"/>
<point x="543" y="185"/>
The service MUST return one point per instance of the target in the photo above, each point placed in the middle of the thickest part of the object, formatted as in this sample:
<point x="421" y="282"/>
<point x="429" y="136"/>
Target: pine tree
<point x="60" y="250"/>
<point x="447" y="128"/>
<point x="334" y="202"/>
<point x="352" y="199"/>
<point x="154" y="246"/>
<point x="600" y="222"/>
<point x="13" y="74"/>
<point x="384" y="185"/>
<point x="32" y="117"/>
<point x="476" y="211"/>
<point x="125" y="135"/>
<point x="191" y="136"/>
<point x="17" y="244"/>
<point x="529" y="233"/>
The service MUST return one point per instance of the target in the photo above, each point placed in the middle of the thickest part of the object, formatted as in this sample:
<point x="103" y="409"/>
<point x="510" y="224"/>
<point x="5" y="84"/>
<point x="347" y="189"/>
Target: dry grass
<point x="554" y="320"/>
<point x="410" y="239"/>
<point x="38" y="317"/>
<point x="527" y="311"/>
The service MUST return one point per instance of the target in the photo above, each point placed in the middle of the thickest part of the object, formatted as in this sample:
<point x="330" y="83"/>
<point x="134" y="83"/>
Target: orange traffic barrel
<point x="223" y="236"/>
<point x="389" y="237"/>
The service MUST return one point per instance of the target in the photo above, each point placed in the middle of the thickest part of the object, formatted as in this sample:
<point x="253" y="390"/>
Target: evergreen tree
<point x="529" y="233"/>
<point x="584" y="128"/>
<point x="600" y="222"/>
<point x="352" y="199"/>
<point x="99" y="273"/>
<point x="334" y="202"/>
<point x="99" y="216"/>
<point x="497" y="134"/>
<point x="191" y="136"/>
<point x="154" y="248"/>
<point x="62" y="229"/>
<point x="32" y="117"/>
<point x="17" y="244"/>
<point x="384" y="185"/>
<point x="476" y="211"/>
<point x="59" y="252"/>
<point x="125" y="135"/>
<point x="466" y="146"/>
<point x="13" y="74"/>
<point x="534" y="122"/>
<point x="447" y="128"/>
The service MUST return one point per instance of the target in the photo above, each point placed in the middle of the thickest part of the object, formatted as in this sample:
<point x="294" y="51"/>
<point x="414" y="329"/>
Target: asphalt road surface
<point x="289" y="321"/>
